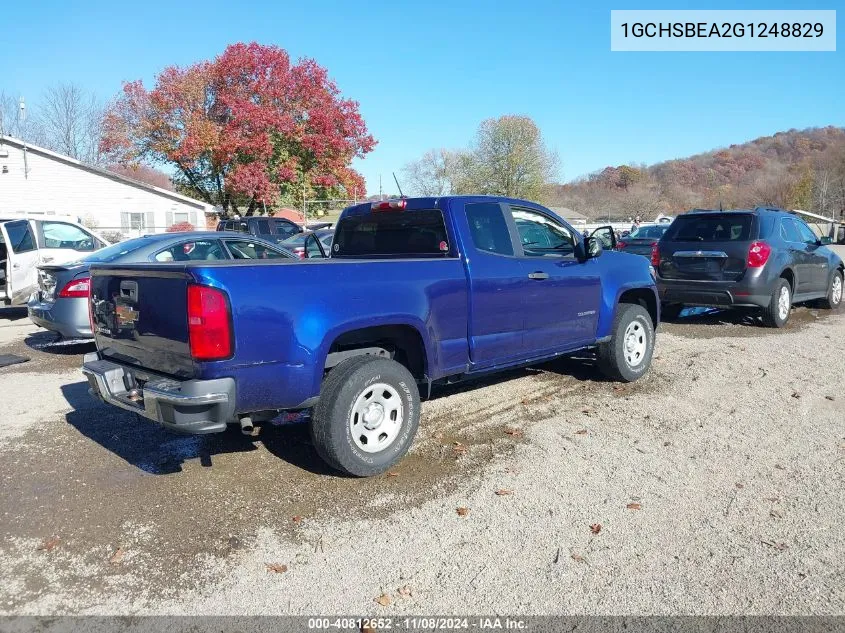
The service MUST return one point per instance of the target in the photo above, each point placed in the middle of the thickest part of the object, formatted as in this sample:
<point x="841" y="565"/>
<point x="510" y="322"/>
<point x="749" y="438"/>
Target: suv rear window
<point x="715" y="227"/>
<point x="384" y="233"/>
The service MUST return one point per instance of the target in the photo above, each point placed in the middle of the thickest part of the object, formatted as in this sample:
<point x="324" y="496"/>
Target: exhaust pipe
<point x="247" y="427"/>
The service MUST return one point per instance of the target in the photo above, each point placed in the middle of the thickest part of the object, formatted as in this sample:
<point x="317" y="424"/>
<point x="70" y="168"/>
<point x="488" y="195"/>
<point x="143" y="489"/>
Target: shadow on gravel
<point x="736" y="322"/>
<point x="53" y="343"/>
<point x="143" y="443"/>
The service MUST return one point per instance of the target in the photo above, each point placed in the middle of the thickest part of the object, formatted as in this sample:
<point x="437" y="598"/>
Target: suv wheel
<point x="627" y="355"/>
<point x="834" y="292"/>
<point x="367" y="415"/>
<point x="776" y="314"/>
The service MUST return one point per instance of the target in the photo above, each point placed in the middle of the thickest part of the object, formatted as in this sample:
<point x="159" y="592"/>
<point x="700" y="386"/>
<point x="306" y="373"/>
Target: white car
<point x="26" y="243"/>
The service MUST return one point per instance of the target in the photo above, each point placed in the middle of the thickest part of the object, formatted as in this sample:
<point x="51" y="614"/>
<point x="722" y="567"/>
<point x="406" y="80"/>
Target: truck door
<point x="561" y="309"/>
<point x="22" y="259"/>
<point x="497" y="287"/>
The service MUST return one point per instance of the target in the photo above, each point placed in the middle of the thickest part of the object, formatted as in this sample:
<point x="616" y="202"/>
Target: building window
<point x="136" y="221"/>
<point x="179" y="218"/>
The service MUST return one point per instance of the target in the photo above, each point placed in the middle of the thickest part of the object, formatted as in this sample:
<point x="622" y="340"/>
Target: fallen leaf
<point x="501" y="492"/>
<point x="383" y="600"/>
<point x="666" y="443"/>
<point x="634" y="506"/>
<point x="739" y="485"/>
<point x="50" y="544"/>
<point x="459" y="448"/>
<point x="392" y="474"/>
<point x="276" y="568"/>
<point x="577" y="557"/>
<point x="297" y="519"/>
<point x="514" y="432"/>
<point x="778" y="546"/>
<point x="779" y="467"/>
<point x="405" y="591"/>
<point x="595" y="528"/>
<point x="775" y="514"/>
<point x="117" y="557"/>
<point x="462" y="512"/>
<point x="581" y="432"/>
<point x="796" y="395"/>
<point x="525" y="401"/>
<point x="831" y="398"/>
<point x="587" y="411"/>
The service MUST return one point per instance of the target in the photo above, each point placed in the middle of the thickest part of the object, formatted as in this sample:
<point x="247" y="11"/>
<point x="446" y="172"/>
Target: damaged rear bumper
<point x="189" y="406"/>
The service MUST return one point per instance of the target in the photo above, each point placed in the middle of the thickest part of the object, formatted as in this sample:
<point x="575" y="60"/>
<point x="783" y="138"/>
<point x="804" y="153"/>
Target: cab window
<point x="64" y="235"/>
<point x="540" y="235"/>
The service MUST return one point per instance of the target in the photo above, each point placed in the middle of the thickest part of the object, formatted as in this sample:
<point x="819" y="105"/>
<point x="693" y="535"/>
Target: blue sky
<point x="426" y="74"/>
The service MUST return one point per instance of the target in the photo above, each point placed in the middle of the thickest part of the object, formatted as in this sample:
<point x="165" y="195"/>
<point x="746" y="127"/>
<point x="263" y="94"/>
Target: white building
<point x="36" y="181"/>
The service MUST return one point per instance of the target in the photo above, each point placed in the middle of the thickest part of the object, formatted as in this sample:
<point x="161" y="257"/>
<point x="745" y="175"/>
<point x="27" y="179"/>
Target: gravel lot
<point x="714" y="486"/>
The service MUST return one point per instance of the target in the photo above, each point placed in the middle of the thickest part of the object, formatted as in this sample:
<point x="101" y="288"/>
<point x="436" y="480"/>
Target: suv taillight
<point x="209" y="323"/>
<point x="758" y="254"/>
<point x="76" y="288"/>
<point x="655" y="255"/>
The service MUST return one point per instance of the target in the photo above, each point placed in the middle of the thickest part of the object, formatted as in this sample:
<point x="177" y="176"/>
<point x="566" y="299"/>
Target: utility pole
<point x="379" y="188"/>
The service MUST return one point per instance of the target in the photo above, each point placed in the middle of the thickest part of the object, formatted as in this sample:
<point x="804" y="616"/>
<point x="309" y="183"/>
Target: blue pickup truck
<point x="417" y="292"/>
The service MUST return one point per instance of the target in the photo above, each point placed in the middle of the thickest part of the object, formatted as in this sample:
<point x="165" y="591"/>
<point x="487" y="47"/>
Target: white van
<point x="26" y="242"/>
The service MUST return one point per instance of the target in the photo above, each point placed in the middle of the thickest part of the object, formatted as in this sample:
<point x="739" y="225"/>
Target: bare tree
<point x="71" y="119"/>
<point x="15" y="121"/>
<point x="432" y="175"/>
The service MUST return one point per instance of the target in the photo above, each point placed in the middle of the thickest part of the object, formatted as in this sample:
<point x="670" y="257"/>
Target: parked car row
<point x="404" y="295"/>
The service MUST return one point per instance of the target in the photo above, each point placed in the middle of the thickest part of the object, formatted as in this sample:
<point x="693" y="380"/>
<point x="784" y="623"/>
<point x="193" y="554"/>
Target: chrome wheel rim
<point x="836" y="291"/>
<point x="634" y="343"/>
<point x="376" y="418"/>
<point x="783" y="303"/>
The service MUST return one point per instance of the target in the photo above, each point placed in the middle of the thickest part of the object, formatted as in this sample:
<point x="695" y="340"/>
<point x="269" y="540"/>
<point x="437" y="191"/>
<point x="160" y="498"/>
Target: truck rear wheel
<point x="367" y="415"/>
<point x="627" y="355"/>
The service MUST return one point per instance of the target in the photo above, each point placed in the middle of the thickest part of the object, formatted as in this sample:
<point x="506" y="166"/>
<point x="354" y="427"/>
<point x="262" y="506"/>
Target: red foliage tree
<point x="245" y="131"/>
<point x="179" y="227"/>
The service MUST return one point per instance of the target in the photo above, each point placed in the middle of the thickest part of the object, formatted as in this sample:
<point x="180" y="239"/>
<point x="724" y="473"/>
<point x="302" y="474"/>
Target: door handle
<point x="538" y="276"/>
<point x="16" y="266"/>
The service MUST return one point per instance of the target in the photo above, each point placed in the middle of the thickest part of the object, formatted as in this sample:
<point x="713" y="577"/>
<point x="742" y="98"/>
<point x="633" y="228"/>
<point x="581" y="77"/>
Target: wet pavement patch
<point x="705" y="323"/>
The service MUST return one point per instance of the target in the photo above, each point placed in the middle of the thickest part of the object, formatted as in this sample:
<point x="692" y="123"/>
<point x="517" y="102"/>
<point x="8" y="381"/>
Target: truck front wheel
<point x="367" y="415"/>
<point x="627" y="355"/>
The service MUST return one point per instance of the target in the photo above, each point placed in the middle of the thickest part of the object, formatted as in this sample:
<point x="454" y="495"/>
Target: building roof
<point x="67" y="160"/>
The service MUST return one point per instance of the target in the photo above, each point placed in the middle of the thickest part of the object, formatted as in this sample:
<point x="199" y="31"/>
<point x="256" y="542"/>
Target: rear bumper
<point x="190" y="406"/>
<point x="714" y="293"/>
<point x="68" y="317"/>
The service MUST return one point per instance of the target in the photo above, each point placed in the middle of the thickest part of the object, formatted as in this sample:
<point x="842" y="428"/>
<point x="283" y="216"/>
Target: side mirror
<point x="594" y="247"/>
<point x="824" y="241"/>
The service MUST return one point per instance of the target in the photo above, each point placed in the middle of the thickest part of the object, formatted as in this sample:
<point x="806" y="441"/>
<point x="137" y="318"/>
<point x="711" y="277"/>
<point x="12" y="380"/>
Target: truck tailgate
<point x="141" y="318"/>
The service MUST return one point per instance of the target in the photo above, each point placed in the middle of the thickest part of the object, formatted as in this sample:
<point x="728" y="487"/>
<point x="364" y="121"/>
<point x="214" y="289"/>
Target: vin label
<point x="728" y="30"/>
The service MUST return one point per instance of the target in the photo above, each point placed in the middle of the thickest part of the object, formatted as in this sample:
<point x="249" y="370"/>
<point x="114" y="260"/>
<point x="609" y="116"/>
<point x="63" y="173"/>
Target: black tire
<point x="613" y="358"/>
<point x="331" y="425"/>
<point x="834" y="298"/>
<point x="772" y="316"/>
<point x="670" y="311"/>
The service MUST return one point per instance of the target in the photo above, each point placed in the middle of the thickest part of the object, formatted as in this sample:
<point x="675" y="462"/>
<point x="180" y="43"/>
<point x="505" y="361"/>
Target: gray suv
<point x="764" y="258"/>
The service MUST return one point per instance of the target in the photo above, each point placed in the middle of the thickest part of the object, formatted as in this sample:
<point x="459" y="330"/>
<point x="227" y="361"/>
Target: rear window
<point x="116" y="251"/>
<point x="383" y="233"/>
<point x="647" y="232"/>
<point x="716" y="227"/>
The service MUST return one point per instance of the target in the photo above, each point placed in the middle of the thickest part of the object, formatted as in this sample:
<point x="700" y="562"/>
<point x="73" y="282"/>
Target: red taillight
<point x="389" y="205"/>
<point x="620" y="244"/>
<point x="209" y="326"/>
<point x="758" y="254"/>
<point x="91" y="308"/>
<point x="655" y="255"/>
<point x="76" y="288"/>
